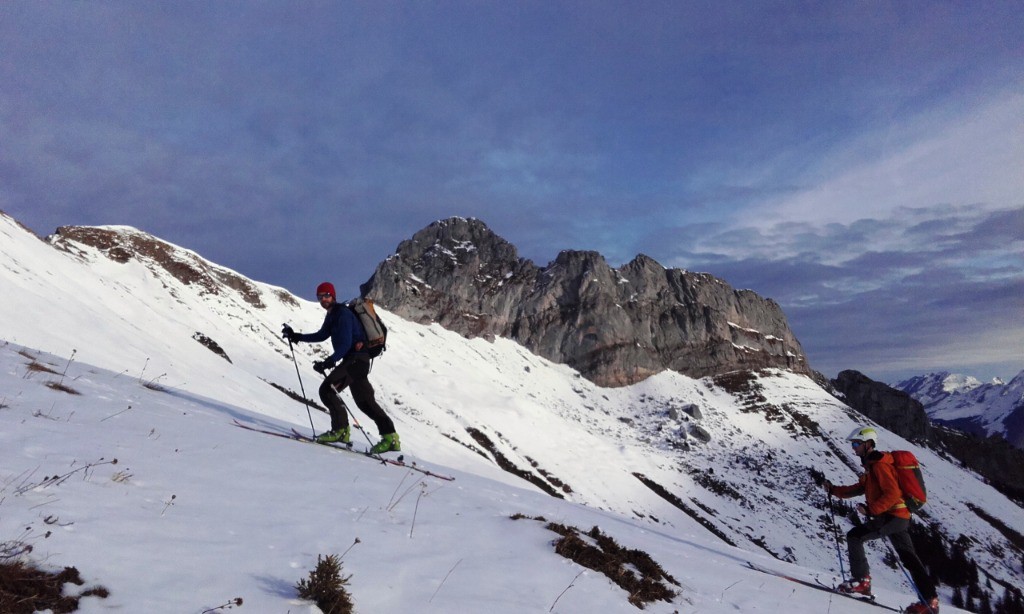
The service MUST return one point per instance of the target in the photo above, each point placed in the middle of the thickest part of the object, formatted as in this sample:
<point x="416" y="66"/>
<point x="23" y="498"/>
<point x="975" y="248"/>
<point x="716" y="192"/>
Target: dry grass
<point x="511" y="467"/>
<point x="39" y="367"/>
<point x="25" y="589"/>
<point x="61" y="387"/>
<point x="632" y="570"/>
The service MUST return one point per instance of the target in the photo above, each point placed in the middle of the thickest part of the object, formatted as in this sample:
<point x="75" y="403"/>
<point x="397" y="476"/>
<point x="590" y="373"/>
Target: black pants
<point x="895" y="529"/>
<point x="352" y="374"/>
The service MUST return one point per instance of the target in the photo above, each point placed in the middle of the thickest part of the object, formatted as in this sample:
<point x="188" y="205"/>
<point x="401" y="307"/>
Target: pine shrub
<point x="326" y="586"/>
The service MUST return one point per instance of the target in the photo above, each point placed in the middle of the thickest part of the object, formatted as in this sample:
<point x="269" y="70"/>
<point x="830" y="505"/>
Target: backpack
<point x="910" y="478"/>
<point x="376" y="332"/>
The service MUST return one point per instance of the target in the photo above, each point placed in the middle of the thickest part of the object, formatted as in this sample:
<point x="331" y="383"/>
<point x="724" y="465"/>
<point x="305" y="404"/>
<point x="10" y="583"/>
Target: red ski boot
<point x="932" y="607"/>
<point x="854" y="586"/>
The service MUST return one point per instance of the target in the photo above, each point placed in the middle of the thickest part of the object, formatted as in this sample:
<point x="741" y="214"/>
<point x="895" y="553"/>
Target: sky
<point x="860" y="163"/>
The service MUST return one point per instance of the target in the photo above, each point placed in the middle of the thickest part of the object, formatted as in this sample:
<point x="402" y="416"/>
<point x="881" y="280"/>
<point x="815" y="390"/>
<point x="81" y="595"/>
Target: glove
<point x="828" y="487"/>
<point x="321" y="366"/>
<point x="289" y="334"/>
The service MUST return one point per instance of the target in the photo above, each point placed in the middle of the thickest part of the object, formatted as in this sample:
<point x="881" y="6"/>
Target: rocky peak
<point x="616" y="326"/>
<point x="643" y="263"/>
<point x="460" y="242"/>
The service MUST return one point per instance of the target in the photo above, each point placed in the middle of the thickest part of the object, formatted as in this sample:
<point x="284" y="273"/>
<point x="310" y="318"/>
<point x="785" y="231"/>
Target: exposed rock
<point x="700" y="433"/>
<point x="211" y="345"/>
<point x="123" y="244"/>
<point x="893" y="409"/>
<point x="616" y="326"/>
<point x="694" y="411"/>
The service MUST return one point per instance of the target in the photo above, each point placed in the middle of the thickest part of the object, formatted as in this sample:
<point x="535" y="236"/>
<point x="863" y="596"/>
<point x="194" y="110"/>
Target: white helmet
<point x="863" y="433"/>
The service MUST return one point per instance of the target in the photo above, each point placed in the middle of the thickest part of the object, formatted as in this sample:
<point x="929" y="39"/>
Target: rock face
<point x="893" y="409"/>
<point x="616" y="326"/>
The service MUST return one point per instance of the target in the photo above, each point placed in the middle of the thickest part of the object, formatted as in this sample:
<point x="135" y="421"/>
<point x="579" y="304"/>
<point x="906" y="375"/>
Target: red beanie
<point x="326" y="288"/>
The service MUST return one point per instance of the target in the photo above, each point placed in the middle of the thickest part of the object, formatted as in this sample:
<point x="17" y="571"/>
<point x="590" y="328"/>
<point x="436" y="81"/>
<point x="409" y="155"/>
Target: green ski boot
<point x="342" y="435"/>
<point x="388" y="443"/>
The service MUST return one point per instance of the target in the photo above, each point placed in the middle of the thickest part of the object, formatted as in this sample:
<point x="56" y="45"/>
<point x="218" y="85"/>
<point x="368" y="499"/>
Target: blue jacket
<point x="344" y="329"/>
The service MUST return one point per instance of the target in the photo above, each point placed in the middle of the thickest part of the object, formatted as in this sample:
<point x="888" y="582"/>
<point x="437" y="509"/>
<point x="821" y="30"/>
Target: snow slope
<point x="703" y="474"/>
<point x="196" y="513"/>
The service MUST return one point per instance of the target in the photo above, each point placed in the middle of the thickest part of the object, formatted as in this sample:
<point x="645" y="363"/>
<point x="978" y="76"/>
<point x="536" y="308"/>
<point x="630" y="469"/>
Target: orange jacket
<point x="879" y="486"/>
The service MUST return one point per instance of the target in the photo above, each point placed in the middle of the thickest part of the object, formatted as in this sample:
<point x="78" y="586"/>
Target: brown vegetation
<point x="25" y="589"/>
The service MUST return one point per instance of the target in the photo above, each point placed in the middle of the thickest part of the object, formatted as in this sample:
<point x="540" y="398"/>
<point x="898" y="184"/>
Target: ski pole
<point x="907" y="574"/>
<point x="355" y="421"/>
<point x="835" y="533"/>
<point x="302" y="389"/>
<point x="358" y="426"/>
<point x="365" y="434"/>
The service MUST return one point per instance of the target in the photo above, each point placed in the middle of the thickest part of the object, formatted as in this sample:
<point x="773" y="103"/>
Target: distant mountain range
<point x="967" y="404"/>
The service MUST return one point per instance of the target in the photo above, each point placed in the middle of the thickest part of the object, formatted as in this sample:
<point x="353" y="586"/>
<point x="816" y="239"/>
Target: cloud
<point x="883" y="294"/>
<point x="972" y="156"/>
<point x="891" y="336"/>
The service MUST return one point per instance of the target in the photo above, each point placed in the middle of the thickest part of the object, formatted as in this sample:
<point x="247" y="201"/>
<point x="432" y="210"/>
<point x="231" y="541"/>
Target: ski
<point x="398" y="462"/>
<point x="297" y="436"/>
<point x="347" y="447"/>
<point x="264" y="431"/>
<point x="867" y="599"/>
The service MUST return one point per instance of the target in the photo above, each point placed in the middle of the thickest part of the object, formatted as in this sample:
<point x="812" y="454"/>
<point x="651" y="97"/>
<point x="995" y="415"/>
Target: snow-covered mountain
<point x="965" y="403"/>
<point x="934" y="387"/>
<point x="161" y="351"/>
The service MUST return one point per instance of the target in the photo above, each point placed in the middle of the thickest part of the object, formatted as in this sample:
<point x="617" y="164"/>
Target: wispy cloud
<point x="972" y="156"/>
<point x="922" y="284"/>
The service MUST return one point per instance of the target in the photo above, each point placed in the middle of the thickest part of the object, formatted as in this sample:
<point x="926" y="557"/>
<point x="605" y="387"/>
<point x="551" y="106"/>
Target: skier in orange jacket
<point x="888" y="516"/>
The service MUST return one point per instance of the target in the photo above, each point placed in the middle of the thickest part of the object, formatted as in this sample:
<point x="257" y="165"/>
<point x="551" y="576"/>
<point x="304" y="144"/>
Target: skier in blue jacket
<point x="348" y="340"/>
